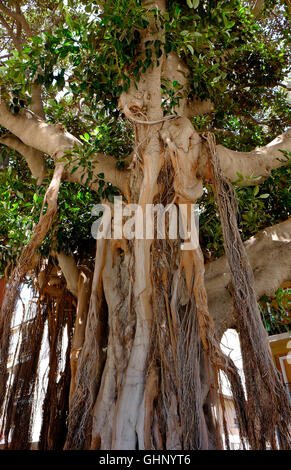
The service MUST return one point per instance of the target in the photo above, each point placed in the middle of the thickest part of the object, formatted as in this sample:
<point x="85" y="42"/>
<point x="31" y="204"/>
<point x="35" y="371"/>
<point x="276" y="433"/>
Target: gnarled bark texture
<point x="145" y="356"/>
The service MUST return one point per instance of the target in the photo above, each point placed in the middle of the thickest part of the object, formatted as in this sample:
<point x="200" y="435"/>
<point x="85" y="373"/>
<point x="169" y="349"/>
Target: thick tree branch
<point x="101" y="164"/>
<point x="196" y="107"/>
<point x="33" y="157"/>
<point x="34" y="132"/>
<point x="251" y="165"/>
<point x="54" y="140"/>
<point x="36" y="101"/>
<point x="69" y="270"/>
<point x="286" y="86"/>
<point x="174" y="69"/>
<point x="269" y="253"/>
<point x="19" y="17"/>
<point x="37" y="104"/>
<point x="256" y="7"/>
<point x="15" y="39"/>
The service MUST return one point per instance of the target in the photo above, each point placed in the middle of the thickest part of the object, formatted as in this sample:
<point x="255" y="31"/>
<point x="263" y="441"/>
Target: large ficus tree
<point x="158" y="102"/>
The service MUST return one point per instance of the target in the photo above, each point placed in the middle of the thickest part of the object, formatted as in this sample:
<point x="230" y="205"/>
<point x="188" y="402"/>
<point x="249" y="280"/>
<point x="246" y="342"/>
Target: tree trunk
<point x="154" y="383"/>
<point x="145" y="356"/>
<point x="153" y="389"/>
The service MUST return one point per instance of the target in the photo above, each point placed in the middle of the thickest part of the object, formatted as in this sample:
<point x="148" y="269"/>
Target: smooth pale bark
<point x="84" y="285"/>
<point x="36" y="101"/>
<point x="53" y="139"/>
<point x="33" y="157"/>
<point x="255" y="164"/>
<point x="70" y="271"/>
<point x="269" y="253"/>
<point x="174" y="69"/>
<point x="34" y="132"/>
<point x="101" y="164"/>
<point x="127" y="411"/>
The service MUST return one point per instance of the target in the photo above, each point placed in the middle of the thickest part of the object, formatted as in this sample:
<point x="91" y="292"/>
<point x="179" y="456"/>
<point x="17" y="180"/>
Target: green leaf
<point x="73" y="170"/>
<point x="197" y="35"/>
<point x="190" y="48"/>
<point x="85" y="137"/>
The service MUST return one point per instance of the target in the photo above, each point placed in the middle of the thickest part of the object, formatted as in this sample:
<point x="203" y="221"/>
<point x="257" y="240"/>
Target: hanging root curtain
<point x="45" y="330"/>
<point x="183" y="361"/>
<point x="25" y="263"/>
<point x="18" y="385"/>
<point x="268" y="411"/>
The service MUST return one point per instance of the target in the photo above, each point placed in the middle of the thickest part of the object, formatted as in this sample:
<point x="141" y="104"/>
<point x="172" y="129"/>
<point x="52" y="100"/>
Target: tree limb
<point x="54" y="140"/>
<point x="174" y="69"/>
<point x="269" y="253"/>
<point x="36" y="101"/>
<point x="37" y="104"/>
<point x="16" y="41"/>
<point x="256" y="7"/>
<point x="254" y="166"/>
<point x="33" y="157"/>
<point x="283" y="85"/>
<point x="18" y="16"/>
<point x="69" y="270"/>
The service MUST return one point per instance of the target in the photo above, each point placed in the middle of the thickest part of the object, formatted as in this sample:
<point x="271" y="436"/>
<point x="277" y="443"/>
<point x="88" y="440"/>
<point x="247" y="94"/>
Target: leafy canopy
<point x="85" y="54"/>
